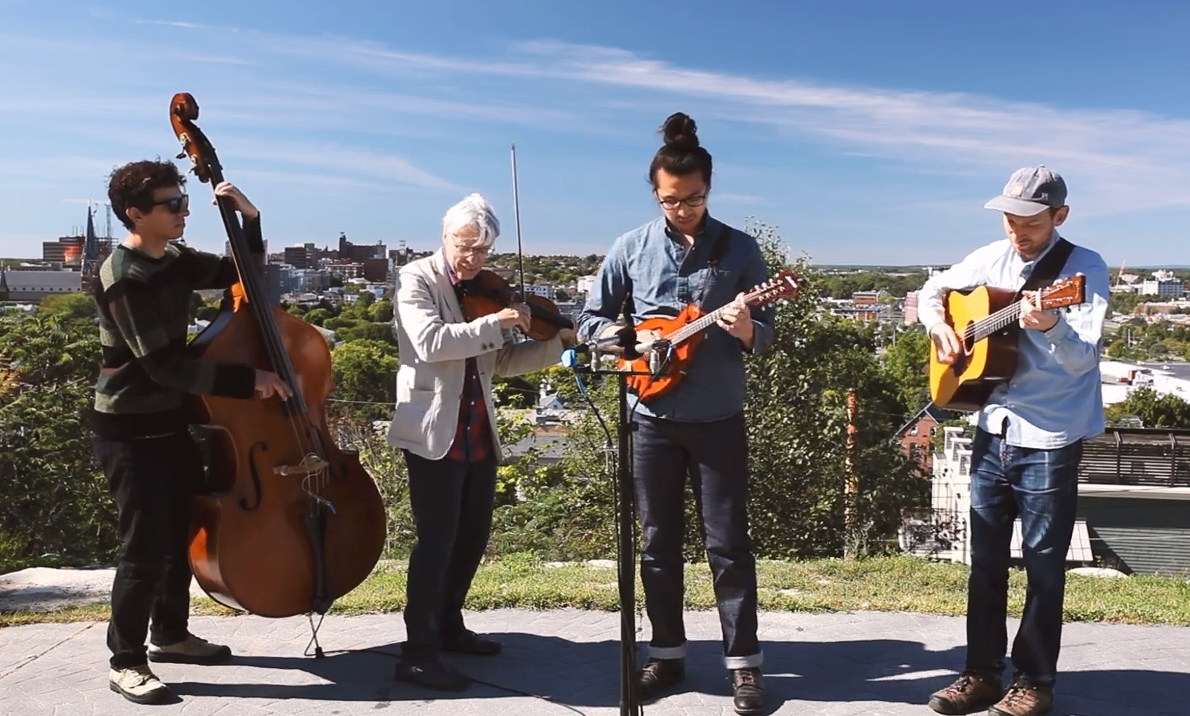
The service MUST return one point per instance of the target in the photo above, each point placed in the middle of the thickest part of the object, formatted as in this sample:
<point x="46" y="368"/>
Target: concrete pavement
<point x="875" y="664"/>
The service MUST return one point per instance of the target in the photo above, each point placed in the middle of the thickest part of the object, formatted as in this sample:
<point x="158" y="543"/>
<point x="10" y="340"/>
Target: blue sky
<point x="868" y="132"/>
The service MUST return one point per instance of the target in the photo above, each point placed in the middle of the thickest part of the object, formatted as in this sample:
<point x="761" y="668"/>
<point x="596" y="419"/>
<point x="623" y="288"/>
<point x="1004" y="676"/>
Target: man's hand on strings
<point x="737" y="320"/>
<point x="237" y="197"/>
<point x="1034" y="317"/>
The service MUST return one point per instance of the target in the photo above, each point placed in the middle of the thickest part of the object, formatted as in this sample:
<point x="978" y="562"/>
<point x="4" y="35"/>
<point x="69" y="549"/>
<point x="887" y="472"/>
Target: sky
<point x="866" y="132"/>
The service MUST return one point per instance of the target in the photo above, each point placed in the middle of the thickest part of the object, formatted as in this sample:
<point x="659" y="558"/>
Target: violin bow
<point x="516" y="211"/>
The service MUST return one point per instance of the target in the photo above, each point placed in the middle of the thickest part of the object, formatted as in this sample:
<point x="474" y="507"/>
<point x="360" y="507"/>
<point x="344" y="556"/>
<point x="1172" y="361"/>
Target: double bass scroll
<point x="295" y="522"/>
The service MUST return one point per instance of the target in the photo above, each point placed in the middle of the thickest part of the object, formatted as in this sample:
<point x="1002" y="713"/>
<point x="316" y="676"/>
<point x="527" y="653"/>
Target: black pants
<point x="452" y="505"/>
<point x="715" y="455"/>
<point x="153" y="481"/>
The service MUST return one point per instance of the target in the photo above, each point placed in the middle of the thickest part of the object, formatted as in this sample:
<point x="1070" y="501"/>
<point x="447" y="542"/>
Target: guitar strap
<point x="1047" y="269"/>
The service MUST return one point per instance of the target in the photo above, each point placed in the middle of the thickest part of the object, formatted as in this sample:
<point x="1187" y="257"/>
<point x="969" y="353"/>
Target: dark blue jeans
<point x="1041" y="488"/>
<point x="715" y="456"/>
<point x="452" y="511"/>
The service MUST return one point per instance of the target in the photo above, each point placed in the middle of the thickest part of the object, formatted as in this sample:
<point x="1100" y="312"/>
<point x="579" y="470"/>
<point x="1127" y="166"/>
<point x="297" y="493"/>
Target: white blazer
<point x="435" y="342"/>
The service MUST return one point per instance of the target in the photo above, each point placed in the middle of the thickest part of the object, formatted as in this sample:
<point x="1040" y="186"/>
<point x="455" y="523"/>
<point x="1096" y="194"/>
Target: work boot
<point x="658" y="675"/>
<point x="1024" y="699"/>
<point x="749" y="691"/>
<point x="191" y="650"/>
<point x="971" y="692"/>
<point x="139" y="685"/>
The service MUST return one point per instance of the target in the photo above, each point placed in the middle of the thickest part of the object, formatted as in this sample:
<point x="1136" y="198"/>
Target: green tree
<point x="907" y="363"/>
<point x="71" y="306"/>
<point x="56" y="509"/>
<point x="365" y="379"/>
<point x="1155" y="410"/>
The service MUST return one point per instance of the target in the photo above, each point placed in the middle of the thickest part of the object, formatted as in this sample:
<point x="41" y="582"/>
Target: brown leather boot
<point x="748" y="688"/>
<point x="969" y="693"/>
<point x="659" y="674"/>
<point x="1024" y="699"/>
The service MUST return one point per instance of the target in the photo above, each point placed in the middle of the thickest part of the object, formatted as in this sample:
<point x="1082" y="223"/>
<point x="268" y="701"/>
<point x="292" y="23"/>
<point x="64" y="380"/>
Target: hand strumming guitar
<point x="946" y="342"/>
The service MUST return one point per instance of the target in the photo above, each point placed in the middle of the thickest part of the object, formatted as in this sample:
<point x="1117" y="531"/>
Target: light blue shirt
<point x="1055" y="397"/>
<point x="664" y="277"/>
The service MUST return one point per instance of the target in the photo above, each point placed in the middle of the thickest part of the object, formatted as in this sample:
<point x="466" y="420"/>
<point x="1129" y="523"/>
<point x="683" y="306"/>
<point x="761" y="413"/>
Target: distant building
<point x="911" y="308"/>
<point x="25" y="286"/>
<point x="1163" y="283"/>
<point x="917" y="435"/>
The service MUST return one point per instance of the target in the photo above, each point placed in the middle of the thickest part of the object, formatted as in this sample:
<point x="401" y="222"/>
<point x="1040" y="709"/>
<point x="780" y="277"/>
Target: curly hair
<point x="132" y="185"/>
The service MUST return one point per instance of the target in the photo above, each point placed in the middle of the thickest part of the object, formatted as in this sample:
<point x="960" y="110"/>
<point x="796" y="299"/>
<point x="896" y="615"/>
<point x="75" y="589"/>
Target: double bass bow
<point x="292" y="521"/>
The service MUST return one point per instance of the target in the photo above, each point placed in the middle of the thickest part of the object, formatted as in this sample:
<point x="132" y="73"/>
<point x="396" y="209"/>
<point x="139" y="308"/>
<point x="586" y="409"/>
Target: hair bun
<point x="680" y="130"/>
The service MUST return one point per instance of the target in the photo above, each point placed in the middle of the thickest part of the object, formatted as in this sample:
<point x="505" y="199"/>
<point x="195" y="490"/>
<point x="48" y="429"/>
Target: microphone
<point x="620" y="343"/>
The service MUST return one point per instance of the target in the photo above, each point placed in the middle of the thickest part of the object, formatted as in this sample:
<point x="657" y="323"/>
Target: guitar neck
<point x="996" y="322"/>
<point x="695" y="327"/>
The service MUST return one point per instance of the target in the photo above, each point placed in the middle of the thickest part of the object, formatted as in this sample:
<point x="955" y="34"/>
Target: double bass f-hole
<point x="297" y="522"/>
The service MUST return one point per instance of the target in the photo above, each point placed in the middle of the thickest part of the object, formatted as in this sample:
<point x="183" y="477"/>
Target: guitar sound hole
<point x="967" y="336"/>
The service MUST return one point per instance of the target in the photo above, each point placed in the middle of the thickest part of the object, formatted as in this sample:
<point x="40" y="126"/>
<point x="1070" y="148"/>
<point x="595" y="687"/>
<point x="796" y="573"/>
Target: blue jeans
<point x="1041" y="488"/>
<point x="715" y="456"/>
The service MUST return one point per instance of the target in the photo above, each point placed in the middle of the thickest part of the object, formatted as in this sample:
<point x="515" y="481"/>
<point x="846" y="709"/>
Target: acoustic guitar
<point x="681" y="335"/>
<point x="986" y="322"/>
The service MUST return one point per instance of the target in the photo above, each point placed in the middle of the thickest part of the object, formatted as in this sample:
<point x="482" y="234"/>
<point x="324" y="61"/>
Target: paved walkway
<point x="827" y="665"/>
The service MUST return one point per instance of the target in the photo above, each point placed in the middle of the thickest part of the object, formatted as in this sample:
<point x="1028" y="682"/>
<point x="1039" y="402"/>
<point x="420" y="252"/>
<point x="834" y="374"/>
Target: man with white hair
<point x="444" y="424"/>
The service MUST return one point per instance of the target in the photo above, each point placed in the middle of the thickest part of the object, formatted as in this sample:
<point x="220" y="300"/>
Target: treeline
<point x="57" y="511"/>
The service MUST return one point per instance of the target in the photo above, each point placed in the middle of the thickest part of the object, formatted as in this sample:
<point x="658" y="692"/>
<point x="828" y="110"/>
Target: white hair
<point x="473" y="211"/>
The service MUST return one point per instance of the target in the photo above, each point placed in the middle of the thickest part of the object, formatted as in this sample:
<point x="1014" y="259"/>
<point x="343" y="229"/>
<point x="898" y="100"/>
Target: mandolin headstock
<point x="784" y="285"/>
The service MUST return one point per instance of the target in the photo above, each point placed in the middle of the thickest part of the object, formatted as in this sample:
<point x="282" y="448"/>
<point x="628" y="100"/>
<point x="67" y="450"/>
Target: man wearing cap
<point x="1027" y="447"/>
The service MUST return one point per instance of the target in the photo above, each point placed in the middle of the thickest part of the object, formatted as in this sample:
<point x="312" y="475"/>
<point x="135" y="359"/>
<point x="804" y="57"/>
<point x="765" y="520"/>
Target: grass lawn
<point x="878" y="584"/>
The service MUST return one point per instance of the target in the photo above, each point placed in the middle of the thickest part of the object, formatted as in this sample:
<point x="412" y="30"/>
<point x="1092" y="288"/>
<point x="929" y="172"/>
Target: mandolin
<point x="681" y="335"/>
<point x="986" y="321"/>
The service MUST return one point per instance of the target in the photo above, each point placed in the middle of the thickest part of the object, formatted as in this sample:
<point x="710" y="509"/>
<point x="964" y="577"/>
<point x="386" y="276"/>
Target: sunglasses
<point x="174" y="204"/>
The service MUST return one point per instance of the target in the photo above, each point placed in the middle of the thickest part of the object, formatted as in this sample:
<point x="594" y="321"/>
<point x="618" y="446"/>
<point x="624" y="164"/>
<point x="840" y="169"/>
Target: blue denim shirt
<point x="1055" y="397"/>
<point x="664" y="276"/>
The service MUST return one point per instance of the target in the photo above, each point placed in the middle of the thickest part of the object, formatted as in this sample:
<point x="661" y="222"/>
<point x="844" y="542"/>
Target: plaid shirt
<point x="473" y="440"/>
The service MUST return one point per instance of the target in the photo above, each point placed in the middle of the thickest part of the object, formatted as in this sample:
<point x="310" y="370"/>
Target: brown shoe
<point x="658" y="675"/>
<point x="971" y="692"/>
<point x="1024" y="699"/>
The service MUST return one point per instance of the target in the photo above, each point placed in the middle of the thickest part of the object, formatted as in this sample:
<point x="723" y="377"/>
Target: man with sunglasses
<point x="141" y="421"/>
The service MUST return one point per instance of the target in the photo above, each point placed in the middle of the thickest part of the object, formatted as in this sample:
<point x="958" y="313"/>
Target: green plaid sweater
<point x="144" y="313"/>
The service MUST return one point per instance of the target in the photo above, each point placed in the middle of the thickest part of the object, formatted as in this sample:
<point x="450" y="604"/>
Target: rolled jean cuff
<point x="744" y="662"/>
<point x="667" y="652"/>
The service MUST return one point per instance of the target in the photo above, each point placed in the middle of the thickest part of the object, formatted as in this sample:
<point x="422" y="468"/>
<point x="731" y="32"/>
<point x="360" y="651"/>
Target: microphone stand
<point x="629" y="697"/>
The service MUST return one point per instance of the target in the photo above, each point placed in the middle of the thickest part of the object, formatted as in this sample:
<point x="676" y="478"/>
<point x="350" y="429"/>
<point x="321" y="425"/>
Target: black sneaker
<point x="432" y="675"/>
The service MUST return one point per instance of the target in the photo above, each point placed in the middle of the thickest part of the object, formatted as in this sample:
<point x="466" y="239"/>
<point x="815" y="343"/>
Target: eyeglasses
<point x="471" y="250"/>
<point x="174" y="204"/>
<point x="691" y="201"/>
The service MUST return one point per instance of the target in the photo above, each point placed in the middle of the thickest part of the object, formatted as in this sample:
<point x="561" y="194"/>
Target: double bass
<point x="291" y="521"/>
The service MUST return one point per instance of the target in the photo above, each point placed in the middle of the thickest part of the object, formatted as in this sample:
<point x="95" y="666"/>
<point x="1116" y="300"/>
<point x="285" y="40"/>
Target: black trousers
<point x="715" y="456"/>
<point x="153" y="481"/>
<point x="452" y="505"/>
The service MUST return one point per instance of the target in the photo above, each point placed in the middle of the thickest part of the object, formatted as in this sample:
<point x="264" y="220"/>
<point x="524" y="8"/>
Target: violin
<point x="291" y="522"/>
<point x="490" y="293"/>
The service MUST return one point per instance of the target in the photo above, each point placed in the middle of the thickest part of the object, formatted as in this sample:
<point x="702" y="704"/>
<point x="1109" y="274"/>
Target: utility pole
<point x="852" y="489"/>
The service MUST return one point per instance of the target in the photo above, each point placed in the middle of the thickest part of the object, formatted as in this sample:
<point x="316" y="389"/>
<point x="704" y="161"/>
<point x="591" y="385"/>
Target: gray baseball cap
<point x="1030" y="191"/>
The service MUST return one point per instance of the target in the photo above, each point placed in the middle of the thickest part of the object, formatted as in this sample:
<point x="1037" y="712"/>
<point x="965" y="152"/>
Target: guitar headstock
<point x="1067" y="292"/>
<point x="784" y="285"/>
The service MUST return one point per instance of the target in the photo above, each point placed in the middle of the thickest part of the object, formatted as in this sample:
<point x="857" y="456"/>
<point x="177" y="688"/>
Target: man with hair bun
<point x="444" y="423"/>
<point x="681" y="257"/>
